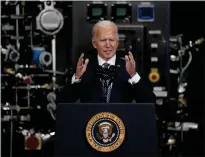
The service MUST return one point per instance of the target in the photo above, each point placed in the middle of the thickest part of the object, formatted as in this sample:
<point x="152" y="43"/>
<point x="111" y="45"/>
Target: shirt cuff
<point x="74" y="80"/>
<point x="135" y="79"/>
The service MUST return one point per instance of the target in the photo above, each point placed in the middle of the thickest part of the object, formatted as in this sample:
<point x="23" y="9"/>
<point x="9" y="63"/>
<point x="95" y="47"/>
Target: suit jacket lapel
<point x="94" y="84"/>
<point x="115" y="93"/>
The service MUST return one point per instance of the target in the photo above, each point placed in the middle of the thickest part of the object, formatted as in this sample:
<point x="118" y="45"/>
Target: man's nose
<point x="108" y="43"/>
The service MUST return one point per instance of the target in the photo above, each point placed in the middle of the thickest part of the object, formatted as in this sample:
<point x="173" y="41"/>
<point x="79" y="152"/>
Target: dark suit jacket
<point x="89" y="89"/>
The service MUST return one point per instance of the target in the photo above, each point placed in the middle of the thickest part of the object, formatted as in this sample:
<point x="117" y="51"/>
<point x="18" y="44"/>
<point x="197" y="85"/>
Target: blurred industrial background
<point x="41" y="41"/>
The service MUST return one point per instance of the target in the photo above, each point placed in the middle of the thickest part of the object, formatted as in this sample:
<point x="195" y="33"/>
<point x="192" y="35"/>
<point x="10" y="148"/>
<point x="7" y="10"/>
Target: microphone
<point x="105" y="73"/>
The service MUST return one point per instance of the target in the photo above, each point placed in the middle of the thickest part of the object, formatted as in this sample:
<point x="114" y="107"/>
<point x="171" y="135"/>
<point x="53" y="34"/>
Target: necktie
<point x="106" y="83"/>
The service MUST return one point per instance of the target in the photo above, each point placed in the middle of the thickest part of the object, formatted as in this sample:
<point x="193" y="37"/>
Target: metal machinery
<point x="31" y="75"/>
<point x="177" y="126"/>
<point x="41" y="42"/>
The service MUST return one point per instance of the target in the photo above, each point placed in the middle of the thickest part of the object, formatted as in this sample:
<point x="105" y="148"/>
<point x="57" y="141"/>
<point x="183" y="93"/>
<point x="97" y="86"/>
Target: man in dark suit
<point x="105" y="77"/>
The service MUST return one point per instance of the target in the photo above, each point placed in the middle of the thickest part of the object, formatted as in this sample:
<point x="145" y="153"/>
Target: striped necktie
<point x="106" y="83"/>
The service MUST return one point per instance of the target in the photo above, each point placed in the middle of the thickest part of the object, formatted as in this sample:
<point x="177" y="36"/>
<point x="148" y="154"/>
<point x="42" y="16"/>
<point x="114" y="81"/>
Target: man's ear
<point x="93" y="42"/>
<point x="118" y="42"/>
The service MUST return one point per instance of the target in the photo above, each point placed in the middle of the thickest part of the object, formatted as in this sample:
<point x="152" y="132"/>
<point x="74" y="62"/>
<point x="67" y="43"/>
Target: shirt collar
<point x="111" y="61"/>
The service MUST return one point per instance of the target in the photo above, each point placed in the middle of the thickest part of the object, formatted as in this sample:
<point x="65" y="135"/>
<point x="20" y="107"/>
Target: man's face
<point x="106" y="41"/>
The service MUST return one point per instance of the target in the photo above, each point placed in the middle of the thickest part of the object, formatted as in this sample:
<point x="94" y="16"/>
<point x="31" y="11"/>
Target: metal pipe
<point x="11" y="135"/>
<point x="28" y="96"/>
<point x="54" y="61"/>
<point x="17" y="27"/>
<point x="36" y="87"/>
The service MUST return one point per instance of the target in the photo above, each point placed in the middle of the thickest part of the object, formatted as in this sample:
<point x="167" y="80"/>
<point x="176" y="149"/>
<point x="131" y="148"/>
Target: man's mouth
<point x="108" y="51"/>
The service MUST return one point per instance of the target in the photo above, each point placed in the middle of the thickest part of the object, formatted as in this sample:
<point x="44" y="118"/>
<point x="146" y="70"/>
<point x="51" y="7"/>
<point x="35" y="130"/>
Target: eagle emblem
<point x="105" y="132"/>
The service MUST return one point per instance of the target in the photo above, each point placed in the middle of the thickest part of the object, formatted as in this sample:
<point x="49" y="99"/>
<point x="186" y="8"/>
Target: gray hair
<point x="103" y="23"/>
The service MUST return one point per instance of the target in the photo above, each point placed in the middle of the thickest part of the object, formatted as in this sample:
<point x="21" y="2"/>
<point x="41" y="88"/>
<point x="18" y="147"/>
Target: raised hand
<point x="81" y="66"/>
<point x="130" y="64"/>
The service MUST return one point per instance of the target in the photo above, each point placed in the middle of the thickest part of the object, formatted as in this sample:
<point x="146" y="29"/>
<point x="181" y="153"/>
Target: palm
<point x="130" y="64"/>
<point x="81" y="66"/>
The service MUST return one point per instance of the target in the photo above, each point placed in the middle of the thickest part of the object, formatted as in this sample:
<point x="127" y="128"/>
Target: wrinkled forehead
<point x="109" y="30"/>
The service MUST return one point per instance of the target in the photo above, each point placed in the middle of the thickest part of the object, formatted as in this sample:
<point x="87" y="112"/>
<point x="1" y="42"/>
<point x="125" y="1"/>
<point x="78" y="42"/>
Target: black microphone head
<point x="106" y="73"/>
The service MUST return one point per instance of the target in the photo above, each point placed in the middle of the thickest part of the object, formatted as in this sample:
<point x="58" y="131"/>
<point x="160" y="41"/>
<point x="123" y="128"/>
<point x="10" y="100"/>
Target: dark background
<point x="188" y="18"/>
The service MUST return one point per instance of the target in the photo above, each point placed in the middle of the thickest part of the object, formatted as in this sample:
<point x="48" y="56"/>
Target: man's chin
<point x="108" y="56"/>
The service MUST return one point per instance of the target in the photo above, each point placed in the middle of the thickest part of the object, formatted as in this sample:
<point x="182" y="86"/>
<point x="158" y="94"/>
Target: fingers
<point x="131" y="56"/>
<point x="80" y="60"/>
<point x="81" y="66"/>
<point x="85" y="64"/>
<point x="81" y="56"/>
<point x="127" y="59"/>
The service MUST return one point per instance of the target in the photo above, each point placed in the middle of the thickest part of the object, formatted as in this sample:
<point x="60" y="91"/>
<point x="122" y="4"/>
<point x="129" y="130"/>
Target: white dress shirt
<point x="135" y="79"/>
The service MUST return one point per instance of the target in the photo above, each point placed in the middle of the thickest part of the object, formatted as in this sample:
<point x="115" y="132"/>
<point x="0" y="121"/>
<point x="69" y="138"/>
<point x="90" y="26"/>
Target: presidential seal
<point x="105" y="132"/>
